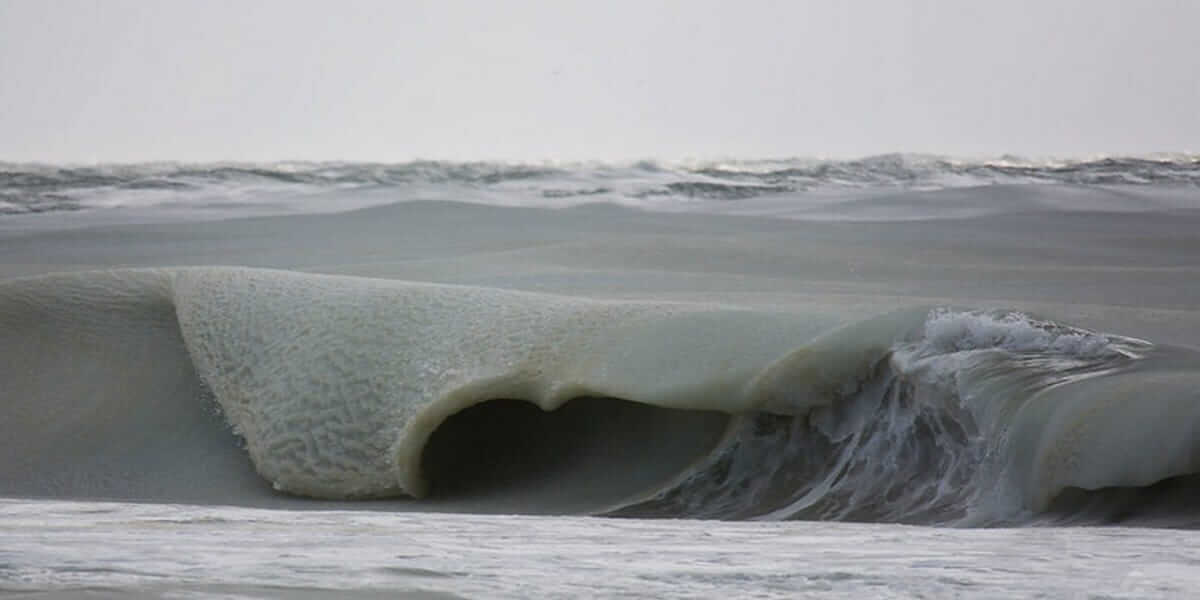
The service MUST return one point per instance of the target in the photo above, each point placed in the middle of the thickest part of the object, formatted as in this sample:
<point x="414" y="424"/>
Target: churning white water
<point x="104" y="550"/>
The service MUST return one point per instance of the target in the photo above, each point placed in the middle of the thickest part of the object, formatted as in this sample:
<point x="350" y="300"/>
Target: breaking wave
<point x="261" y="387"/>
<point x="26" y="188"/>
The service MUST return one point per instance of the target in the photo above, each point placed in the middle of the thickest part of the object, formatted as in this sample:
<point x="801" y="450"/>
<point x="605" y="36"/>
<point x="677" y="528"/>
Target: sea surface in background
<point x="809" y="187"/>
<point x="901" y="376"/>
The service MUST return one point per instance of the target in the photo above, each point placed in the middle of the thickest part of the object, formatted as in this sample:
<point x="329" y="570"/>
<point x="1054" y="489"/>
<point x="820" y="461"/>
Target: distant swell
<point x="259" y="387"/>
<point x="30" y="188"/>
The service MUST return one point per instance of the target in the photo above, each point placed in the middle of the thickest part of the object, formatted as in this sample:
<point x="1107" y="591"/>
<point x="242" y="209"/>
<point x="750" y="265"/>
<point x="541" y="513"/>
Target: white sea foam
<point x="220" y="190"/>
<point x="950" y="331"/>
<point x="112" y="550"/>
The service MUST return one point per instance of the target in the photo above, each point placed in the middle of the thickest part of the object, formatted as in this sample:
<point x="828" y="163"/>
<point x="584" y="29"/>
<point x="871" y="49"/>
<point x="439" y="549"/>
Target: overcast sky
<point x="119" y="80"/>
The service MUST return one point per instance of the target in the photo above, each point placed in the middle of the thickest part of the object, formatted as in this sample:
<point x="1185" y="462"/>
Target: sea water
<point x="106" y="550"/>
<point x="903" y="376"/>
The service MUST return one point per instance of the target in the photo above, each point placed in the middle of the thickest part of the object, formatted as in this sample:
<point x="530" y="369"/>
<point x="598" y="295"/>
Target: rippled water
<point x="101" y="550"/>
<point x="29" y="188"/>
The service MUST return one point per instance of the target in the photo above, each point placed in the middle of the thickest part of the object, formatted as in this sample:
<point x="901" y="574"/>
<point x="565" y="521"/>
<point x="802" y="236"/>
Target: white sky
<point x="120" y="80"/>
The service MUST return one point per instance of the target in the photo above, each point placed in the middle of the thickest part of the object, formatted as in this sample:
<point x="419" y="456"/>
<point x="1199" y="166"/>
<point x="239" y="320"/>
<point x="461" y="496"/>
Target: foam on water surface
<point x="110" y="550"/>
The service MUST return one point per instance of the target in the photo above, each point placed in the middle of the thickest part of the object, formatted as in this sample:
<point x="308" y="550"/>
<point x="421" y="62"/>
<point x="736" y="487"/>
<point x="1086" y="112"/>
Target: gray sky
<point x="120" y="80"/>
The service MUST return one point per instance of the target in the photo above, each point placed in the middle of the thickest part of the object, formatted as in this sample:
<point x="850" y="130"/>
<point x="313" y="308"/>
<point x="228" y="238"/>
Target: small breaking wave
<point x="925" y="430"/>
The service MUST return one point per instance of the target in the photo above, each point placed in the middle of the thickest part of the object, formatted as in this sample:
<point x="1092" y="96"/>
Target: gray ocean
<point x="904" y="376"/>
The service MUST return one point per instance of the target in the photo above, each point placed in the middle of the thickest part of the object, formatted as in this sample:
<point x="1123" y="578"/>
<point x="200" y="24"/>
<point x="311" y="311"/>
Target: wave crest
<point x="338" y="386"/>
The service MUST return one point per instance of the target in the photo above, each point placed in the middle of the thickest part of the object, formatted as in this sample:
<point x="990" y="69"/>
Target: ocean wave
<point x="247" y="386"/>
<point x="28" y="188"/>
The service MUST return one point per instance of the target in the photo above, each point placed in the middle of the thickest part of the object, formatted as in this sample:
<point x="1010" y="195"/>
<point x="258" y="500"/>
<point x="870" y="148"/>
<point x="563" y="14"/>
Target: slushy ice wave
<point x="265" y="387"/>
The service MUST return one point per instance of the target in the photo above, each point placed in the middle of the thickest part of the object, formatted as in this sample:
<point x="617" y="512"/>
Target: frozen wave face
<point x="470" y="398"/>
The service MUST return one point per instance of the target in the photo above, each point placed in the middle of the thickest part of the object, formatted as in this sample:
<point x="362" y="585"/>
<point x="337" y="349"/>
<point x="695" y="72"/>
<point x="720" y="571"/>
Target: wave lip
<point x="344" y="388"/>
